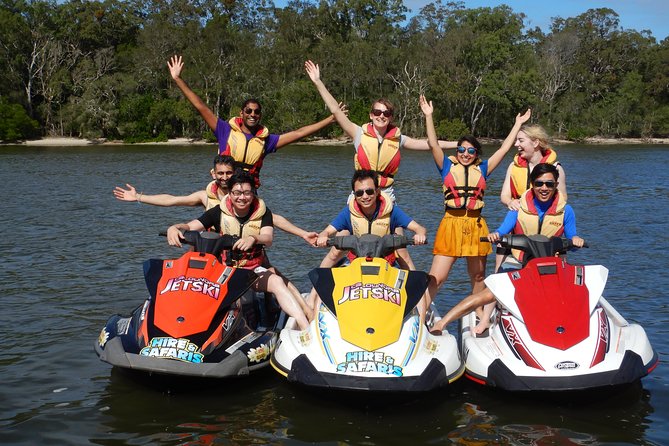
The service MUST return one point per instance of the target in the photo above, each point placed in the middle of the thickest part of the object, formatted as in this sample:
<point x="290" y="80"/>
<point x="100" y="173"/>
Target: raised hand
<point x="425" y="106"/>
<point x="312" y="70"/>
<point x="522" y="119"/>
<point x="175" y="64"/>
<point x="129" y="194"/>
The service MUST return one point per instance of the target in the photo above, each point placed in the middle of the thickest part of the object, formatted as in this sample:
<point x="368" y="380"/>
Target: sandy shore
<point x="64" y="142"/>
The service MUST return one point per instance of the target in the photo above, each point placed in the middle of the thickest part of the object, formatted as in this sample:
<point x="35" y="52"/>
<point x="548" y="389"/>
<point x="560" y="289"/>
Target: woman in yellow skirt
<point x="464" y="181"/>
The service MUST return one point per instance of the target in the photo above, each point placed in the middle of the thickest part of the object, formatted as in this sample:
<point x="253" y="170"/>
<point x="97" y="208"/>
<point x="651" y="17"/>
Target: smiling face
<point x="381" y="116"/>
<point x="526" y="146"/>
<point x="221" y="173"/>
<point x="366" y="195"/>
<point x="250" y="115"/>
<point x="544" y="187"/>
<point x="464" y="157"/>
<point x="242" y="196"/>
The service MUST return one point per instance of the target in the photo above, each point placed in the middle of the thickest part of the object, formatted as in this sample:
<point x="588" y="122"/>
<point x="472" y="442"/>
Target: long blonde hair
<point x="537" y="133"/>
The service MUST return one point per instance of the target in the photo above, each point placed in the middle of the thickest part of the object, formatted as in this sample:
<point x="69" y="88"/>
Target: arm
<point x="130" y="194"/>
<point x="324" y="235"/>
<point x="296" y="135"/>
<point x="562" y="183"/>
<point x="265" y="237"/>
<point x="498" y="156"/>
<point x="175" y="65"/>
<point x="422" y="144"/>
<point x="437" y="154"/>
<point x="175" y="234"/>
<point x="505" y="196"/>
<point x="285" y="225"/>
<point x="314" y="73"/>
<point x="420" y="233"/>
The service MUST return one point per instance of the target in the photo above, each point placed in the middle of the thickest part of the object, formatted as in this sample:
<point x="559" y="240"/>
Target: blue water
<point x="72" y="254"/>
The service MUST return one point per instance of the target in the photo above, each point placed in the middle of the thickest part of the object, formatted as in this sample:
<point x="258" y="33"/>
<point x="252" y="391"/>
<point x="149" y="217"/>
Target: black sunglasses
<point x="360" y="192"/>
<point x="470" y="150"/>
<point x="386" y="113"/>
<point x="549" y="184"/>
<point x="253" y="111"/>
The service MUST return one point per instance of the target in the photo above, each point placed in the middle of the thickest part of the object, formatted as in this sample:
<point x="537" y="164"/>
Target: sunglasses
<point x="386" y="113"/>
<point x="361" y="192"/>
<point x="253" y="111"/>
<point x="239" y="193"/>
<point x="549" y="184"/>
<point x="470" y="150"/>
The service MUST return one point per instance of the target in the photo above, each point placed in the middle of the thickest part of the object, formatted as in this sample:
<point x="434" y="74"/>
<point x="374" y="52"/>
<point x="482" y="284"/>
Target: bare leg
<point x="403" y="257"/>
<point x="463" y="307"/>
<point x="476" y="269"/>
<point x="330" y="260"/>
<point x="293" y="290"/>
<point x="441" y="267"/>
<point x="268" y="281"/>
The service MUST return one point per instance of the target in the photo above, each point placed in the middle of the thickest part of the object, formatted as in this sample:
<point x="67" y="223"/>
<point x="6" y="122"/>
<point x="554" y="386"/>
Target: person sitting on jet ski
<point x="243" y="214"/>
<point x="372" y="212"/>
<point x="544" y="211"/>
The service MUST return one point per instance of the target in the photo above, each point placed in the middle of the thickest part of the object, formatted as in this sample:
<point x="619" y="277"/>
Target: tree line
<point x="97" y="69"/>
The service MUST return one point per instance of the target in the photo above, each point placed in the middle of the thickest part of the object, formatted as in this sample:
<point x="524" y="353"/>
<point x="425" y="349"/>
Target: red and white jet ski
<point x="553" y="330"/>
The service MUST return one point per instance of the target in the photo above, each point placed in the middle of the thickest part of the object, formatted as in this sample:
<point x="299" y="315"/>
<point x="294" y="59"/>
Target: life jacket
<point x="248" y="153"/>
<point x="464" y="186"/>
<point x="528" y="222"/>
<point x="212" y="195"/>
<point x="382" y="157"/>
<point x="231" y="225"/>
<point x="379" y="226"/>
<point x="520" y="172"/>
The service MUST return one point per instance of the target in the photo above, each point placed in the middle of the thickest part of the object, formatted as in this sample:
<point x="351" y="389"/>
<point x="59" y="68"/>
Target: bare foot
<point x="438" y="328"/>
<point x="482" y="326"/>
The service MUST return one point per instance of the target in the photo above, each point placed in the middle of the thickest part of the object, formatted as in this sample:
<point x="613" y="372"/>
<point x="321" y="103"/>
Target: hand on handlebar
<point x="174" y="236"/>
<point x="419" y="239"/>
<point x="577" y="241"/>
<point x="493" y="237"/>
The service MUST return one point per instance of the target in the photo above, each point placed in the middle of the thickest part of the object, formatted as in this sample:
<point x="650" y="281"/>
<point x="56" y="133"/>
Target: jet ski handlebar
<point x="369" y="245"/>
<point x="535" y="246"/>
<point x="210" y="242"/>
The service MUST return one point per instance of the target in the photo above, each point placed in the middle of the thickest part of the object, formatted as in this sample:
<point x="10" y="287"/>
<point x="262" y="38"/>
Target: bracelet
<point x="139" y="196"/>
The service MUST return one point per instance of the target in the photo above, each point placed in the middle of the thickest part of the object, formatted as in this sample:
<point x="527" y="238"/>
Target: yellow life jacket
<point x="231" y="225"/>
<point x="464" y="186"/>
<point x="382" y="157"/>
<point x="379" y="226"/>
<point x="528" y="219"/>
<point x="212" y="195"/>
<point x="248" y="153"/>
<point x="520" y="172"/>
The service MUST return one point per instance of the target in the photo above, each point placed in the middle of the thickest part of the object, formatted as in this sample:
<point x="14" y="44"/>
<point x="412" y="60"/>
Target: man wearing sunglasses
<point x="371" y="212"/>
<point x="543" y="210"/>
<point x="243" y="137"/>
<point x="241" y="213"/>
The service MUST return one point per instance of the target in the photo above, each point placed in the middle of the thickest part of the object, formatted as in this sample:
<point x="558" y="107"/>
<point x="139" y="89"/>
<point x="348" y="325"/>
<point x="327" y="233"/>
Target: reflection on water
<point x="72" y="256"/>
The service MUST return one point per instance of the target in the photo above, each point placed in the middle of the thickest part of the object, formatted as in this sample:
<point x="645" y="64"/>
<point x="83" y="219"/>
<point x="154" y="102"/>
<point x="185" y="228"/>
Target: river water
<point x="72" y="256"/>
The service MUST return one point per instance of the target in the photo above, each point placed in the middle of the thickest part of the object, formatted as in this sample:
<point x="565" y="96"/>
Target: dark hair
<point x="363" y="174"/>
<point x="543" y="168"/>
<point x="251" y="101"/>
<point x="224" y="159"/>
<point x="389" y="105"/>
<point x="473" y="141"/>
<point x="240" y="177"/>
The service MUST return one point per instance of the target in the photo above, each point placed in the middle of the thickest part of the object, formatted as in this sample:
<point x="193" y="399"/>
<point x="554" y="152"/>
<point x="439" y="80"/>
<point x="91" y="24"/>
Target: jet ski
<point x="553" y="330"/>
<point x="201" y="318"/>
<point x="368" y="334"/>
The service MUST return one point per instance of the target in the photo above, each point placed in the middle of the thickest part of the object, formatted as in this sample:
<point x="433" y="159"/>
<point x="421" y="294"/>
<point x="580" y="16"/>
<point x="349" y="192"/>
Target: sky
<point x="639" y="15"/>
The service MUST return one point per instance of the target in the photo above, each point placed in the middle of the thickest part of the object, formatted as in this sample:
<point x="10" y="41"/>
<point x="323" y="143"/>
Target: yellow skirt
<point x="458" y="235"/>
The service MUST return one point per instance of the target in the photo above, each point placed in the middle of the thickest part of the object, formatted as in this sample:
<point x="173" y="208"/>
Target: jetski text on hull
<point x="367" y="334"/>
<point x="201" y="318"/>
